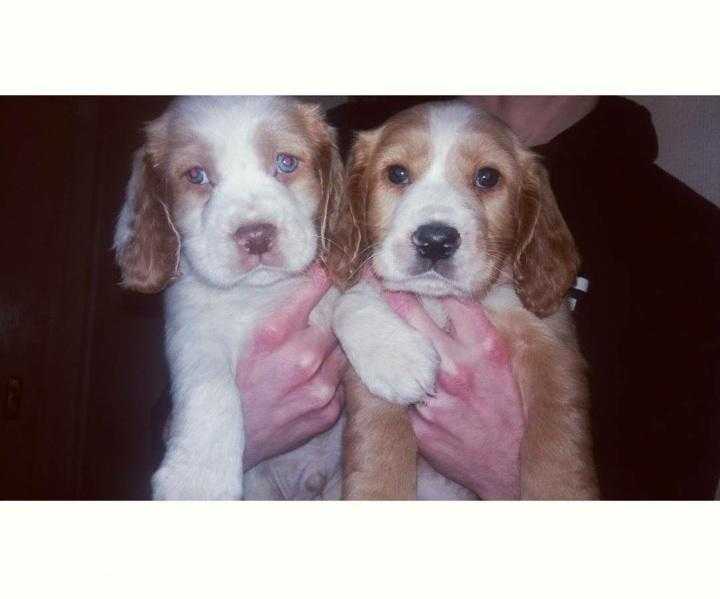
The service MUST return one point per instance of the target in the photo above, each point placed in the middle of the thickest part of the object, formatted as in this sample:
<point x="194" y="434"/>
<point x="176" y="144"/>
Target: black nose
<point x="436" y="241"/>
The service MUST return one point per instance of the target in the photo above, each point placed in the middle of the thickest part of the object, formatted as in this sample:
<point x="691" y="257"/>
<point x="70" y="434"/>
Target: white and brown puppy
<point x="228" y="201"/>
<point x="445" y="201"/>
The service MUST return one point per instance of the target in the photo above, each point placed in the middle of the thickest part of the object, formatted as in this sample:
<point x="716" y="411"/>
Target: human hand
<point x="472" y="428"/>
<point x="290" y="378"/>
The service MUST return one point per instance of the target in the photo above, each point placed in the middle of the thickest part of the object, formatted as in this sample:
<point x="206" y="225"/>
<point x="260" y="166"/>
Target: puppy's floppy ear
<point x="546" y="261"/>
<point x="330" y="171"/>
<point x="350" y="233"/>
<point x="147" y="245"/>
<point x="332" y="182"/>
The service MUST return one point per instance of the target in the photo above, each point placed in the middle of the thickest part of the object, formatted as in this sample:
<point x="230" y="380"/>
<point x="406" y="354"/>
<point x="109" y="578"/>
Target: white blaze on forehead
<point x="229" y="114"/>
<point x="446" y="122"/>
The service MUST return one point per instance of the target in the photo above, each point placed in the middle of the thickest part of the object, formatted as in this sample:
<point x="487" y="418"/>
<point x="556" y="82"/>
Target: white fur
<point x="216" y="304"/>
<point x="207" y="330"/>
<point x="392" y="359"/>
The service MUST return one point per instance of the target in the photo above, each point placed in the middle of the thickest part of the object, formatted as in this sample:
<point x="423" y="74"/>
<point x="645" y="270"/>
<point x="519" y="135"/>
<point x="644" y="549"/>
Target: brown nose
<point x="256" y="238"/>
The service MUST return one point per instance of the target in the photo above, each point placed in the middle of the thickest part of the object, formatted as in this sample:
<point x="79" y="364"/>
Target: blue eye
<point x="398" y="174"/>
<point x="286" y="163"/>
<point x="487" y="177"/>
<point x="197" y="175"/>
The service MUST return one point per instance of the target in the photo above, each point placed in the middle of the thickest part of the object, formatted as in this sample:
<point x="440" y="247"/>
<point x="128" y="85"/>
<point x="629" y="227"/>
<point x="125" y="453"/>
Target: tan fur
<point x="546" y="260"/>
<point x="379" y="450"/>
<point x="402" y="140"/>
<point x="529" y="245"/>
<point x="556" y="453"/>
<point x="148" y="262"/>
<point x="348" y="235"/>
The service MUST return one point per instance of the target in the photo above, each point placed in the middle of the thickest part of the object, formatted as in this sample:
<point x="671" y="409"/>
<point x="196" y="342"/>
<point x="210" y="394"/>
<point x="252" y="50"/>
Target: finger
<point x="438" y="410"/>
<point x="456" y="382"/>
<point x="423" y="428"/>
<point x="333" y="368"/>
<point x="293" y="315"/>
<point x="423" y="409"/>
<point x="469" y="319"/>
<point x="448" y="414"/>
<point x="322" y="388"/>
<point x="329" y="414"/>
<point x="409" y="309"/>
<point x="310" y="424"/>
<point x="296" y="362"/>
<point x="431" y="433"/>
<point x="313" y="401"/>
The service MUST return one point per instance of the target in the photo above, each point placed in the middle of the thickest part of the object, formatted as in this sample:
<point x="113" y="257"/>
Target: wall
<point x="688" y="129"/>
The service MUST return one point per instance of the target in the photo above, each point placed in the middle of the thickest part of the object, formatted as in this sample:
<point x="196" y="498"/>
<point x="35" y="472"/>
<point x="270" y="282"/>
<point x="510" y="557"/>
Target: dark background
<point x="88" y="355"/>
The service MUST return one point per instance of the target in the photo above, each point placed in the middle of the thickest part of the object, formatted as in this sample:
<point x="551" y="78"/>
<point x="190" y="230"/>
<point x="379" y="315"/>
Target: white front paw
<point x="401" y="369"/>
<point x="185" y="481"/>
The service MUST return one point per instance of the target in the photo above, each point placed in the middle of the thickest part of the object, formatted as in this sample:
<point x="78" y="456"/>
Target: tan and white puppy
<point x="445" y="201"/>
<point x="228" y="200"/>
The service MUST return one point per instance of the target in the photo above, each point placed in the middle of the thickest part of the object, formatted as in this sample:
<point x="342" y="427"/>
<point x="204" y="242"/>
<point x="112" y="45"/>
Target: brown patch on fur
<point x="330" y="171"/>
<point x="486" y="143"/>
<point x="305" y="134"/>
<point x="379" y="449"/>
<point x="348" y="235"/>
<point x="149" y="260"/>
<point x="556" y="452"/>
<point x="402" y="140"/>
<point x="546" y="262"/>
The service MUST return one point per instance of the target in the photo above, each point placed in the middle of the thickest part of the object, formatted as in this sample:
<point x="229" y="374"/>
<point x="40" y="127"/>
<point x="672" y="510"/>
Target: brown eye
<point x="486" y="177"/>
<point x="398" y="174"/>
<point x="197" y="176"/>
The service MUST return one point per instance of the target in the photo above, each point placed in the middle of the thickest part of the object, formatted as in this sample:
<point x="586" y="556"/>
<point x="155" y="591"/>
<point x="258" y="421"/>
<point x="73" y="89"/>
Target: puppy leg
<point x="379" y="449"/>
<point x="556" y="455"/>
<point x="204" y="454"/>
<point x="393" y="360"/>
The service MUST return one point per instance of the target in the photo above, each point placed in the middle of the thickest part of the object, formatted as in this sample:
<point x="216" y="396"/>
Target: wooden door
<point x="88" y="357"/>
